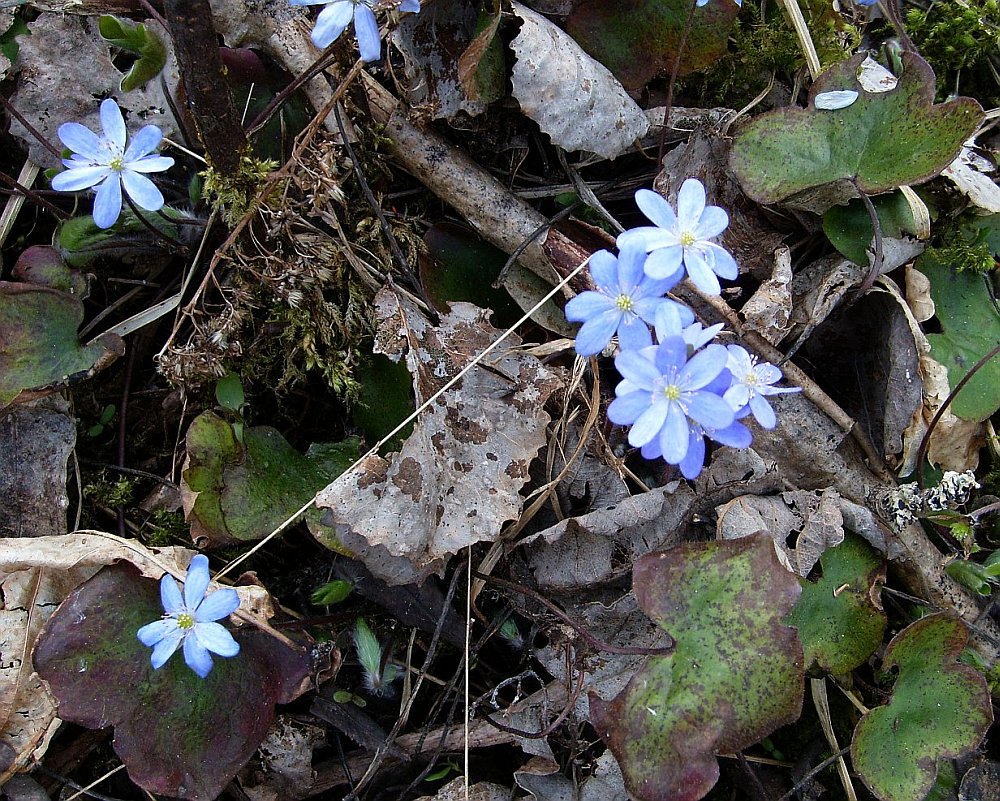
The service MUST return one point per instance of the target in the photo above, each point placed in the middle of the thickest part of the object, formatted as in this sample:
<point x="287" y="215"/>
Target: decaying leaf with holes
<point x="458" y="476"/>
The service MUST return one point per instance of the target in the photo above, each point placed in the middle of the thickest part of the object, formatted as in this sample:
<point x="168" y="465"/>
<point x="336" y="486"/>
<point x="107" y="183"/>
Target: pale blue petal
<point x="668" y="321"/>
<point x="674" y="435"/>
<point x="714" y="220"/>
<point x="604" y="270"/>
<point x="165" y="648"/>
<point x="696" y="336"/>
<point x="767" y="373"/>
<point x="650" y="236"/>
<point x="740" y="362"/>
<point x="653" y="288"/>
<point x="665" y="263"/>
<point x="656" y="208"/>
<point x="308" y="2"/>
<point x="150" y="164"/>
<point x="170" y="595"/>
<point x="735" y="436"/>
<point x="588" y="304"/>
<point x="366" y="29"/>
<point x="217" y="605"/>
<point x="648" y="424"/>
<point x="651" y="450"/>
<point x="723" y="263"/>
<point x="595" y="334"/>
<point x="700" y="272"/>
<point x="108" y="203"/>
<point x="142" y="191"/>
<point x="637" y="368"/>
<point x="196" y="656"/>
<point x="763" y="412"/>
<point x="710" y="410"/>
<point x="630" y="266"/>
<point x="767" y="390"/>
<point x="77" y="178"/>
<point x="196" y="581"/>
<point x="624" y="409"/>
<point x="737" y="396"/>
<point x="80" y="139"/>
<point x="331" y="22"/>
<point x="113" y="124"/>
<point x="143" y="143"/>
<point x="410" y="5"/>
<point x="671" y="355"/>
<point x="646" y="308"/>
<point x="633" y="333"/>
<point x="152" y="633"/>
<point x="216" y="639"/>
<point x="703" y="367"/>
<point x="690" y="204"/>
<point x="694" y="460"/>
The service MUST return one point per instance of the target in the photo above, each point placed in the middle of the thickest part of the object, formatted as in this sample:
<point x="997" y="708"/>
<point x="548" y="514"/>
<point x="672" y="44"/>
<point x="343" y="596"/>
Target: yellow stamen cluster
<point x="185" y="621"/>
<point x="624" y="303"/>
<point x="688" y="239"/>
<point x="117" y="163"/>
<point x="672" y="392"/>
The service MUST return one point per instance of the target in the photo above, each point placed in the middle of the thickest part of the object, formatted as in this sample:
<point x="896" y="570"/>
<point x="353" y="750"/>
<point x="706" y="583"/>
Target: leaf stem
<point x="673" y="80"/>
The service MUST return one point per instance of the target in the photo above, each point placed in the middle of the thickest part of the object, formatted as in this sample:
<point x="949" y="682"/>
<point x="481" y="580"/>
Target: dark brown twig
<point x="878" y="260"/>
<point x="813" y="773"/>
<point x="670" y="86"/>
<point x="33" y="196"/>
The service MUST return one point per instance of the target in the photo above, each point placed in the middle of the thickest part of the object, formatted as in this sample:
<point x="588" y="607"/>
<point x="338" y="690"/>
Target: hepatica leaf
<point x="242" y="490"/>
<point x="839" y="618"/>
<point x="637" y="40"/>
<point x="734" y="677"/>
<point x="177" y="734"/>
<point x="939" y="709"/>
<point x="849" y="228"/>
<point x="809" y="157"/>
<point x="970" y="328"/>
<point x="40" y="349"/>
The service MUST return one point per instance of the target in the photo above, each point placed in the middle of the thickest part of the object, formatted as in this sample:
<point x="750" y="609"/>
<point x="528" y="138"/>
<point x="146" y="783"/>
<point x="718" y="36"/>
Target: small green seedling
<point x="333" y="592"/>
<point x="379" y="673"/>
<point x="107" y="415"/>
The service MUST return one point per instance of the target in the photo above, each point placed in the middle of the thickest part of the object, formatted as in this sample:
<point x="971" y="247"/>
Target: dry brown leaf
<point x="770" y="307"/>
<point x="573" y="98"/>
<point x="457" y="479"/>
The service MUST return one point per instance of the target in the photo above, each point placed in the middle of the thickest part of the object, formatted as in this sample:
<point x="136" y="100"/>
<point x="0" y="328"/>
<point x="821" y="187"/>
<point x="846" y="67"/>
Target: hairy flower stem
<point x="670" y="86"/>
<point x="197" y="48"/>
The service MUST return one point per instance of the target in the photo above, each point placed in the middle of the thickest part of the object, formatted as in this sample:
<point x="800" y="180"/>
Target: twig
<point x="814" y="772"/>
<point x="30" y="128"/>
<point x="670" y="86"/>
<point x="877" y="261"/>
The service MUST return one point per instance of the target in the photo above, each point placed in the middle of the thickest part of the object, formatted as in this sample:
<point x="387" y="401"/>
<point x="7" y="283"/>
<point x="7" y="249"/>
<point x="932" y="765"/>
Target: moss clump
<point x="164" y="527"/>
<point x="111" y="493"/>
<point x="763" y="45"/>
<point x="234" y="195"/>
<point x="959" y="40"/>
<point x="965" y="253"/>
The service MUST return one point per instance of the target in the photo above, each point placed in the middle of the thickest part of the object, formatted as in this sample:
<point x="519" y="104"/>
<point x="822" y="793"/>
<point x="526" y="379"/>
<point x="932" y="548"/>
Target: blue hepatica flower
<point x="751" y="383"/>
<point x="109" y="162"/>
<point x="188" y="620"/>
<point x="334" y="19"/>
<point x="664" y="392"/>
<point x="625" y="302"/>
<point x="681" y="240"/>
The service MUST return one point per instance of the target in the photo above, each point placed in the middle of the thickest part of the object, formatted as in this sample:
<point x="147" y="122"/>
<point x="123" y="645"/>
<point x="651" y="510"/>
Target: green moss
<point x="958" y="40"/>
<point x="111" y="493"/>
<point x="164" y="527"/>
<point x="234" y="196"/>
<point x="964" y="254"/>
<point x="760" y="46"/>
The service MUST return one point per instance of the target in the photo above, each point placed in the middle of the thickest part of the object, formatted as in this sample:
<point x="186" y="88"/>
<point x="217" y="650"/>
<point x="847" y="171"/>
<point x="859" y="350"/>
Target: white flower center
<point x="624" y="303"/>
<point x="185" y="621"/>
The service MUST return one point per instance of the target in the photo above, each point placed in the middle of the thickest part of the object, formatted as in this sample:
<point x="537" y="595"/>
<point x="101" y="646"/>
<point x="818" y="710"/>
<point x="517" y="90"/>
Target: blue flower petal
<point x="674" y="435"/>
<point x="637" y="368"/>
<point x="170" y="595"/>
<point x="366" y="29"/>
<point x="217" y="605"/>
<point x="331" y="22"/>
<point x="196" y="656"/>
<point x="108" y="203"/>
<point x="165" y="648"/>
<point x="762" y="411"/>
<point x="216" y="639"/>
<point x="656" y="208"/>
<point x="723" y="263"/>
<point x="588" y="304"/>
<point x="710" y="410"/>
<point x="703" y="367"/>
<point x="150" y="164"/>
<point x="152" y="633"/>
<point x="714" y="220"/>
<point x="143" y="143"/>
<point x="80" y="139"/>
<point x="690" y="204"/>
<point x="631" y="259"/>
<point x="735" y="436"/>
<point x="649" y="423"/>
<point x="666" y="263"/>
<point x="700" y="271"/>
<point x="196" y="581"/>
<point x="595" y="334"/>
<point x="603" y="268"/>
<point x="142" y="191"/>
<point x="410" y="5"/>
<point x="633" y="334"/>
<point x="694" y="460"/>
<point x="624" y="409"/>
<point x="113" y="124"/>
<point x="77" y="178"/>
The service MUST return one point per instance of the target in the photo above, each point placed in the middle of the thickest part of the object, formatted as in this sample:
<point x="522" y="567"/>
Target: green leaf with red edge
<point x="177" y="734"/>
<point x="40" y="350"/>
<point x="939" y="709"/>
<point x="639" y="39"/>
<point x="839" y="618"/>
<point x="734" y="677"/>
<point x="812" y="158"/>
